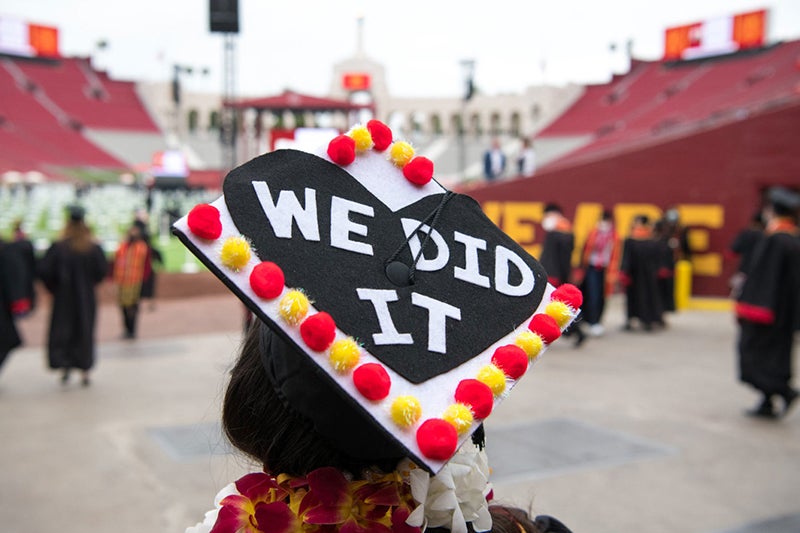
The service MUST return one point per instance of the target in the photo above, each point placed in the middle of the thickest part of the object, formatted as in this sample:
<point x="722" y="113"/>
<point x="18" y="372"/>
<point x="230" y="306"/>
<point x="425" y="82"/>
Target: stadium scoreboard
<point x="716" y="36"/>
<point x="24" y="39"/>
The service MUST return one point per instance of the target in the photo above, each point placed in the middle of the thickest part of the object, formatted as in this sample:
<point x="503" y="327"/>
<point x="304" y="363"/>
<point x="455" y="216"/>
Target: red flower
<point x="258" y="508"/>
<point x="323" y="502"/>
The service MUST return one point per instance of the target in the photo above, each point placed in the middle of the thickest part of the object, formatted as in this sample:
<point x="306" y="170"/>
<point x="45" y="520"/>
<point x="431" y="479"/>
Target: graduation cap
<point x="416" y="308"/>
<point x="784" y="198"/>
<point x="76" y="212"/>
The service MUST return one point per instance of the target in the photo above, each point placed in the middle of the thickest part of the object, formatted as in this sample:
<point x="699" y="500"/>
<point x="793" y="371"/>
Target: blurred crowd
<point x="70" y="270"/>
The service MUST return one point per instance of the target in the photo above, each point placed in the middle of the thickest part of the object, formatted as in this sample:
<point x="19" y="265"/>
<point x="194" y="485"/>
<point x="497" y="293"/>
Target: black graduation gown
<point x="556" y="256"/>
<point x="11" y="289"/>
<point x="71" y="277"/>
<point x="641" y="259"/>
<point x="666" y="275"/>
<point x="24" y="249"/>
<point x="767" y="310"/>
<point x="743" y="245"/>
<point x="149" y="283"/>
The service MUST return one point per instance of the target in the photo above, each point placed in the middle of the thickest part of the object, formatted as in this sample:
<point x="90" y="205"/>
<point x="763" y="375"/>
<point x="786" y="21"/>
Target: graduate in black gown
<point x="641" y="260"/>
<point x="13" y="300"/>
<point x="71" y="269"/>
<point x="665" y="274"/>
<point x="767" y="308"/>
<point x="556" y="257"/>
<point x="742" y="248"/>
<point x="24" y="248"/>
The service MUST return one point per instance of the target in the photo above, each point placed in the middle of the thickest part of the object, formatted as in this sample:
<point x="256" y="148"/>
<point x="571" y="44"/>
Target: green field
<point x="110" y="210"/>
<point x="176" y="256"/>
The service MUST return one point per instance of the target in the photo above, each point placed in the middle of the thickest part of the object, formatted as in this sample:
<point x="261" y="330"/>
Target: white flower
<point x="211" y="516"/>
<point x="455" y="496"/>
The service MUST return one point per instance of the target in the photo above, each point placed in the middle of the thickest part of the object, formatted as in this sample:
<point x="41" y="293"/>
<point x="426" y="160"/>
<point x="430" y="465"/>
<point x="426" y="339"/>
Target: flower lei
<point x="458" y="494"/>
<point x="325" y="501"/>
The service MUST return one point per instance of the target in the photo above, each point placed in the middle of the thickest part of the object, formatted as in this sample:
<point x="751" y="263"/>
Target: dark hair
<point x="78" y="236"/>
<point x="510" y="520"/>
<point x="782" y="210"/>
<point x="552" y="207"/>
<point x="258" y="422"/>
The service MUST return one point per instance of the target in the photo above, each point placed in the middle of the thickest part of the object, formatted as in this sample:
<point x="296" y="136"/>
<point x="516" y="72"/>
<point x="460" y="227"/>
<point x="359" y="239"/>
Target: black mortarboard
<point x="785" y="198"/>
<point x="420" y="310"/>
<point x="76" y="213"/>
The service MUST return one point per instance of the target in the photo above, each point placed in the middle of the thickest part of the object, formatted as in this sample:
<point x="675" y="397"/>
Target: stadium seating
<point x="656" y="101"/>
<point x="46" y="106"/>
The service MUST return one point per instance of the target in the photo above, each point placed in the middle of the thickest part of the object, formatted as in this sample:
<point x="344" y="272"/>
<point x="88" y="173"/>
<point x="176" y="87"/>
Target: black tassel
<point x="479" y="438"/>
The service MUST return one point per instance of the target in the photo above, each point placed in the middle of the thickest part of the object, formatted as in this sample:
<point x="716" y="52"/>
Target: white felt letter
<point x="502" y="257"/>
<point x="442" y="251"/>
<point x="471" y="271"/>
<point x="342" y="226"/>
<point x="438" y="313"/>
<point x="286" y="209"/>
<point x="380" y="299"/>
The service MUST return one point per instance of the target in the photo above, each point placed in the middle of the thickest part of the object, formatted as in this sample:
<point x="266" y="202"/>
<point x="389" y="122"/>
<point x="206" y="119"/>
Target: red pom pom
<point x="511" y="359"/>
<point x="477" y="395"/>
<point x="372" y="381"/>
<point x="203" y="221"/>
<point x="381" y="135"/>
<point x="437" y="439"/>
<point x="267" y="280"/>
<point x="569" y="294"/>
<point x="545" y="326"/>
<point x="342" y="150"/>
<point x="419" y="170"/>
<point x="318" y="331"/>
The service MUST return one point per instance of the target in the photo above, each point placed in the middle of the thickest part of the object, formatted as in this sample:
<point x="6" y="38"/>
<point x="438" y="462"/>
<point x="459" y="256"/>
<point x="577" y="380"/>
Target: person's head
<point x="782" y="203"/>
<point x="76" y="213"/>
<point x="606" y="221"/>
<point x="552" y="215"/>
<point x="270" y="389"/>
<point x="641" y="221"/>
<point x="551" y="208"/>
<point x="135" y="232"/>
<point x="76" y="233"/>
<point x="671" y="216"/>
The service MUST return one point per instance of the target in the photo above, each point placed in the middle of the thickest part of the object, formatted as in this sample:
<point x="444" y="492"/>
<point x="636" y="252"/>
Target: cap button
<point x="398" y="273"/>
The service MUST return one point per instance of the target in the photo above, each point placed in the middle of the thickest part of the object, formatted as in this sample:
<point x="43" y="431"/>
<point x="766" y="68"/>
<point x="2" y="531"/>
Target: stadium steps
<point x="657" y="101"/>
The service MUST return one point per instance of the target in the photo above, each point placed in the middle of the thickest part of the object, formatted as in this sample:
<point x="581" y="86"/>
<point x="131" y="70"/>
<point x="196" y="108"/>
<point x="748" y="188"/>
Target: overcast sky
<point x="294" y="43"/>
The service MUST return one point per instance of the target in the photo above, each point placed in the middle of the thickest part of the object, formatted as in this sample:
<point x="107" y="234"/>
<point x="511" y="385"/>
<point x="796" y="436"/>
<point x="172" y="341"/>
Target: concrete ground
<point x="632" y="432"/>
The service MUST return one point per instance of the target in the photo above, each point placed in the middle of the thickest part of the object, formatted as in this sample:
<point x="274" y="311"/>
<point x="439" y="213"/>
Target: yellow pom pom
<point x="235" y="253"/>
<point x="362" y="137"/>
<point x="531" y="343"/>
<point x="405" y="411"/>
<point x="344" y="355"/>
<point x="560" y="312"/>
<point x="293" y="307"/>
<point x="459" y="415"/>
<point x="401" y="153"/>
<point x="492" y="377"/>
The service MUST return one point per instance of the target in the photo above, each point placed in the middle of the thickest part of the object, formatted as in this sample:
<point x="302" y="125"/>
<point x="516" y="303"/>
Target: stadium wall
<point x="714" y="177"/>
